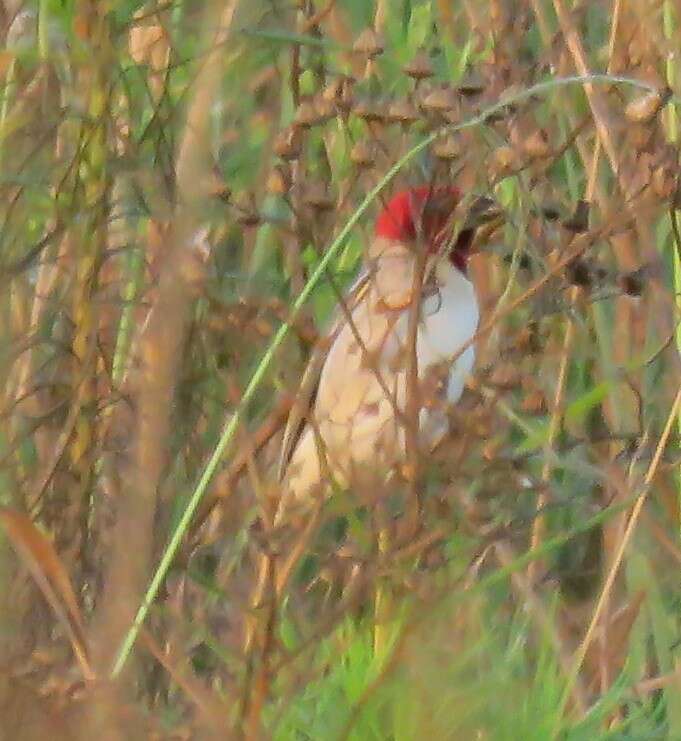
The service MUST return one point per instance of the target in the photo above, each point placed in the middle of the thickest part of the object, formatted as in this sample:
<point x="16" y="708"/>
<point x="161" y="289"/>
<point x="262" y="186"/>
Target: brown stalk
<point x="582" y="148"/>
<point x="593" y="172"/>
<point x="158" y="349"/>
<point x="591" y="187"/>
<point x="631" y="524"/>
<point x="596" y="102"/>
<point x="91" y="184"/>
<point x="627" y="329"/>
<point x="314" y="20"/>
<point x="273" y="577"/>
<point x="413" y="400"/>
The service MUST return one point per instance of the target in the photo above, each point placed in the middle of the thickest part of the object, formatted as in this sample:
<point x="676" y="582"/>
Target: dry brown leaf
<point x="645" y="108"/>
<point x="41" y="559"/>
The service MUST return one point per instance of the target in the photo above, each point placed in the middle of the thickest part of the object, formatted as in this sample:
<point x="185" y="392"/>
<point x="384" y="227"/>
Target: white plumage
<point x="349" y="416"/>
<point x="355" y="423"/>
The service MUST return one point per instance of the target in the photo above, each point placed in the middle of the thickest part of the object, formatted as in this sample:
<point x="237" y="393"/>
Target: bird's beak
<point x="484" y="217"/>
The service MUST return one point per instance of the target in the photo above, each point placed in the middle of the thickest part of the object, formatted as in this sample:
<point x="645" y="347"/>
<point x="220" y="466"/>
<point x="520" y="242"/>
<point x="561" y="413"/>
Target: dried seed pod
<point x="369" y="111"/>
<point x="480" y="428"/>
<point x="446" y="148"/>
<point x="369" y="43"/>
<point x="633" y="283"/>
<point x="247" y="210"/>
<point x="332" y="91"/>
<point x="579" y="273"/>
<point x="504" y="159"/>
<point x="453" y="115"/>
<point x="420" y="94"/>
<point x="317" y="196"/>
<point x="471" y="84"/>
<point x="219" y="188"/>
<point x="306" y="115"/>
<point x="505" y="376"/>
<point x="645" y="108"/>
<point x="279" y="180"/>
<point x="536" y="145"/>
<point x="528" y="339"/>
<point x="419" y="67"/>
<point x="288" y="144"/>
<point x="325" y="109"/>
<point x="402" y="111"/>
<point x="663" y="181"/>
<point x="339" y="92"/>
<point x="579" y="221"/>
<point x="344" y="102"/>
<point x="363" y="154"/>
<point x="440" y="100"/>
<point x="490" y="450"/>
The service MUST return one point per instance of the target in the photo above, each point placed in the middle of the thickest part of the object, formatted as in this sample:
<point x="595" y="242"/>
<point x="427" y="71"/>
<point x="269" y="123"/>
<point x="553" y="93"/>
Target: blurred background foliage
<point x="172" y="173"/>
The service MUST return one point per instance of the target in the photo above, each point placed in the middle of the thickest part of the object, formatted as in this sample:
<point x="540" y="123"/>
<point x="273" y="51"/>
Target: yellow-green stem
<point x="91" y="189"/>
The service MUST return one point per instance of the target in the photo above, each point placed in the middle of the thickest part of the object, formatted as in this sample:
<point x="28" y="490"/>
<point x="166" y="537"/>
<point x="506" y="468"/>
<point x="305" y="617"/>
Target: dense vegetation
<point x="186" y="188"/>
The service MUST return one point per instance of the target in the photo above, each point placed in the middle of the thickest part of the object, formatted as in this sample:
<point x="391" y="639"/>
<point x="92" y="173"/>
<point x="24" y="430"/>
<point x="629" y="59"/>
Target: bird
<point x="411" y="313"/>
<point x="352" y="404"/>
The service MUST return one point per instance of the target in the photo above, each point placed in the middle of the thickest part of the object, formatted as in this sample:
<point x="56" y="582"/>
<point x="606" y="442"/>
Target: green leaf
<point x="578" y="409"/>
<point x="420" y="23"/>
<point x="536" y="438"/>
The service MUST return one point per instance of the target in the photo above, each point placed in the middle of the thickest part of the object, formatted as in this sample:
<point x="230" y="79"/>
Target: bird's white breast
<point x="449" y="320"/>
<point x="364" y="380"/>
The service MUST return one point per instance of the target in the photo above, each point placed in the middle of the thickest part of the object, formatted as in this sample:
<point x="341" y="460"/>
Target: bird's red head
<point x="425" y="212"/>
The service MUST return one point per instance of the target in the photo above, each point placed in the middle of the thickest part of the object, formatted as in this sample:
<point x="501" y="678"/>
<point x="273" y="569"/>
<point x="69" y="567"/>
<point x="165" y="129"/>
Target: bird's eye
<point x="464" y="239"/>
